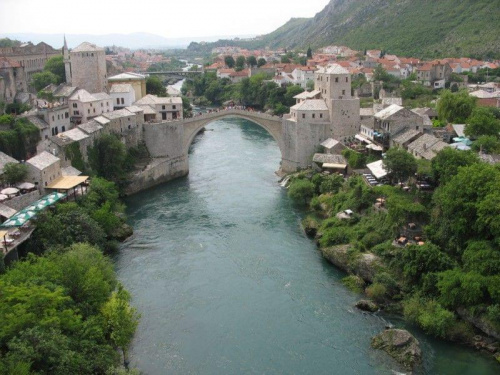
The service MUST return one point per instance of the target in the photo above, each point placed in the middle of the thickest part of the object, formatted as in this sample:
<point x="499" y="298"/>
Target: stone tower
<point x="67" y="64"/>
<point x="334" y="84"/>
<point x="88" y="68"/>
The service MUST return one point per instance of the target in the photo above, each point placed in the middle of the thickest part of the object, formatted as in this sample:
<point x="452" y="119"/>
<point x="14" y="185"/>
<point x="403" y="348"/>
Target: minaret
<point x="67" y="63"/>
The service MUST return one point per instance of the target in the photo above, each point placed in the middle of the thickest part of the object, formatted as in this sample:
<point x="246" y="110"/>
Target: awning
<point x="377" y="168"/>
<point x="375" y="147"/>
<point x="31" y="211"/>
<point x="334" y="166"/>
<point x="360" y="138"/>
<point x="67" y="182"/>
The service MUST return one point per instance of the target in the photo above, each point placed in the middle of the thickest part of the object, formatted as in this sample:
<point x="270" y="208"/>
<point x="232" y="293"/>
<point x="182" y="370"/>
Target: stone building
<point x="138" y="82"/>
<point x="334" y="84"/>
<point x="32" y="58"/>
<point x="166" y="109"/>
<point x="85" y="106"/>
<point x="122" y="95"/>
<point x="86" y="67"/>
<point x="43" y="169"/>
<point x="12" y="79"/>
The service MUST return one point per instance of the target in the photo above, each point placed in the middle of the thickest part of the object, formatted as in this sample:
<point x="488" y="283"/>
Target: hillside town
<point x="337" y="115"/>
<point x="91" y="103"/>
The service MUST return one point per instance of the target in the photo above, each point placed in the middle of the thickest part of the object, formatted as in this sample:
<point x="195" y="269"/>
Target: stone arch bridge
<point x="168" y="144"/>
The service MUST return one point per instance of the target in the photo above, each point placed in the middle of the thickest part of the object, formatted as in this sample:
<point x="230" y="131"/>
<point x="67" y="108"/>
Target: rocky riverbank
<point x="353" y="228"/>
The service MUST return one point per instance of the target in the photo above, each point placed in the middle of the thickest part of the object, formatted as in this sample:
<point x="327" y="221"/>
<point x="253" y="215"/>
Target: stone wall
<point x="164" y="140"/>
<point x="22" y="201"/>
<point x="160" y="170"/>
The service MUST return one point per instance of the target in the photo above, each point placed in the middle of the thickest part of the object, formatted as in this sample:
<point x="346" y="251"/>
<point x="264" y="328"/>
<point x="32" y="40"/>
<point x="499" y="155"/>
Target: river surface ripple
<point x="227" y="282"/>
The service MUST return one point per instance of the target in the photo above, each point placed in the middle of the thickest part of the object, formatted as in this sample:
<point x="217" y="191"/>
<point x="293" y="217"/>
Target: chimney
<point x="425" y="146"/>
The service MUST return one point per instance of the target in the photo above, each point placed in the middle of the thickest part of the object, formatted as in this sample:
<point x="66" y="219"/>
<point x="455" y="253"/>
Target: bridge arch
<point x="273" y="125"/>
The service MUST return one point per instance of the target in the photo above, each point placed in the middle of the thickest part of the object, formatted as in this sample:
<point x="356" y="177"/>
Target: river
<point x="227" y="282"/>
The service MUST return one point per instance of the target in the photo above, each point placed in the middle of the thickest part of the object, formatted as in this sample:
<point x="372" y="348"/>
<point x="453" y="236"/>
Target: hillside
<point x="420" y="28"/>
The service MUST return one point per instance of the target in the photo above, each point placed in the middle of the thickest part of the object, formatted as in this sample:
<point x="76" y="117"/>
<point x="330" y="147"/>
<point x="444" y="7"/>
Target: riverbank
<point x="365" y="232"/>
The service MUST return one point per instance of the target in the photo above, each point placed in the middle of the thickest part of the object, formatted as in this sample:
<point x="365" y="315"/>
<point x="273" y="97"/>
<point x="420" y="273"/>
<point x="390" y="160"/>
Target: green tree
<point x="285" y="60"/>
<point x="14" y="173"/>
<point x="240" y="62"/>
<point x="229" y="61"/>
<point x="301" y="190"/>
<point x="448" y="161"/>
<point x="291" y="92"/>
<point x="331" y="184"/>
<point x="251" y="61"/>
<point x="107" y="158"/>
<point x="309" y="53"/>
<point x="482" y="121"/>
<point x="43" y="79"/>
<point x="400" y="164"/>
<point x="380" y="74"/>
<point x="261" y="62"/>
<point x="455" y="107"/>
<point x="466" y="208"/>
<point x="55" y="65"/>
<point x="121" y="320"/>
<point x="155" y="86"/>
<point x="489" y="144"/>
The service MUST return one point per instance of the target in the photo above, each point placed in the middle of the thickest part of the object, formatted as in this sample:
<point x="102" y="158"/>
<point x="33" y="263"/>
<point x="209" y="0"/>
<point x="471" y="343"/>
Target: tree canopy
<point x="229" y="61"/>
<point x="455" y="107"/>
<point x="482" y="122"/>
<point x="14" y="173"/>
<point x="400" y="164"/>
<point x="155" y="86"/>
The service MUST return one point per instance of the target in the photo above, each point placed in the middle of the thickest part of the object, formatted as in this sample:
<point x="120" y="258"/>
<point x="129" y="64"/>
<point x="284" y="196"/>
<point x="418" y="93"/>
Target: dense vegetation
<point x="420" y="28"/>
<point x="63" y="311"/>
<point x="455" y="272"/>
<point x="53" y="73"/>
<point x="256" y="92"/>
<point x="21" y="139"/>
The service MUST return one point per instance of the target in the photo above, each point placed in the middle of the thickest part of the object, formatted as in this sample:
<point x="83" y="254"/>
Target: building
<point x="138" y="82"/>
<point x="31" y="58"/>
<point x="426" y="147"/>
<point x="122" y="95"/>
<point x="434" y="74"/>
<point x="85" y="67"/>
<point x="85" y="106"/>
<point x="12" y="79"/>
<point x="165" y="109"/>
<point x="334" y="84"/>
<point x="43" y="169"/>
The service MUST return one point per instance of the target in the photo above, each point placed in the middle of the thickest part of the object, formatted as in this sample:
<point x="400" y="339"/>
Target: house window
<point x="76" y="113"/>
<point x="347" y="79"/>
<point x="303" y="115"/>
<point x="91" y="104"/>
<point x="102" y="104"/>
<point x="117" y="100"/>
<point x="327" y="79"/>
<point x="94" y="110"/>
<point x="74" y="105"/>
<point x="63" y="129"/>
<point x="173" y="107"/>
<point x="123" y="101"/>
<point x="343" y="92"/>
<point x="53" y="118"/>
<point x="320" y="115"/>
<point x="314" y="115"/>
<point x="417" y="127"/>
<point x="88" y="111"/>
<point x="336" y="79"/>
<point x="66" y="115"/>
<point x="162" y="107"/>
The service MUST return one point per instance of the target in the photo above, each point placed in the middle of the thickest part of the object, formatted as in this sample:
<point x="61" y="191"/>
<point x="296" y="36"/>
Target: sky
<point x="168" y="18"/>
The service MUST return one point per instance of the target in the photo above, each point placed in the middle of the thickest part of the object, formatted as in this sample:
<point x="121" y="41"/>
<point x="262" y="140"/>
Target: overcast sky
<point x="168" y="18"/>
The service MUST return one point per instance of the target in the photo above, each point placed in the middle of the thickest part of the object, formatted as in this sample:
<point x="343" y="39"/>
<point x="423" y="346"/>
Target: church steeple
<point x="67" y="63"/>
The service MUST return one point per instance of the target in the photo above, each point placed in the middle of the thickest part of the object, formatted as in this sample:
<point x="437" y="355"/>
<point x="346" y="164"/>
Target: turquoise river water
<point x="227" y="282"/>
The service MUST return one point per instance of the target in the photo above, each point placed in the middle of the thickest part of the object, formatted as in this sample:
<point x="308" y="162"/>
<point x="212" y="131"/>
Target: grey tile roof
<point x="121" y="88"/>
<point x="329" y="158"/>
<point x="90" y="127"/>
<point x="4" y="159"/>
<point x="406" y="136"/>
<point x="38" y="122"/>
<point x="311" y="105"/>
<point x="43" y="160"/>
<point x="87" y="47"/>
<point x="427" y="146"/>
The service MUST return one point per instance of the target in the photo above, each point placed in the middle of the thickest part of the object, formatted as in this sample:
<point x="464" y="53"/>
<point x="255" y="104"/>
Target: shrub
<point x="301" y="190"/>
<point x="429" y="315"/>
<point x="376" y="292"/>
<point x="335" y="236"/>
<point x="354" y="283"/>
